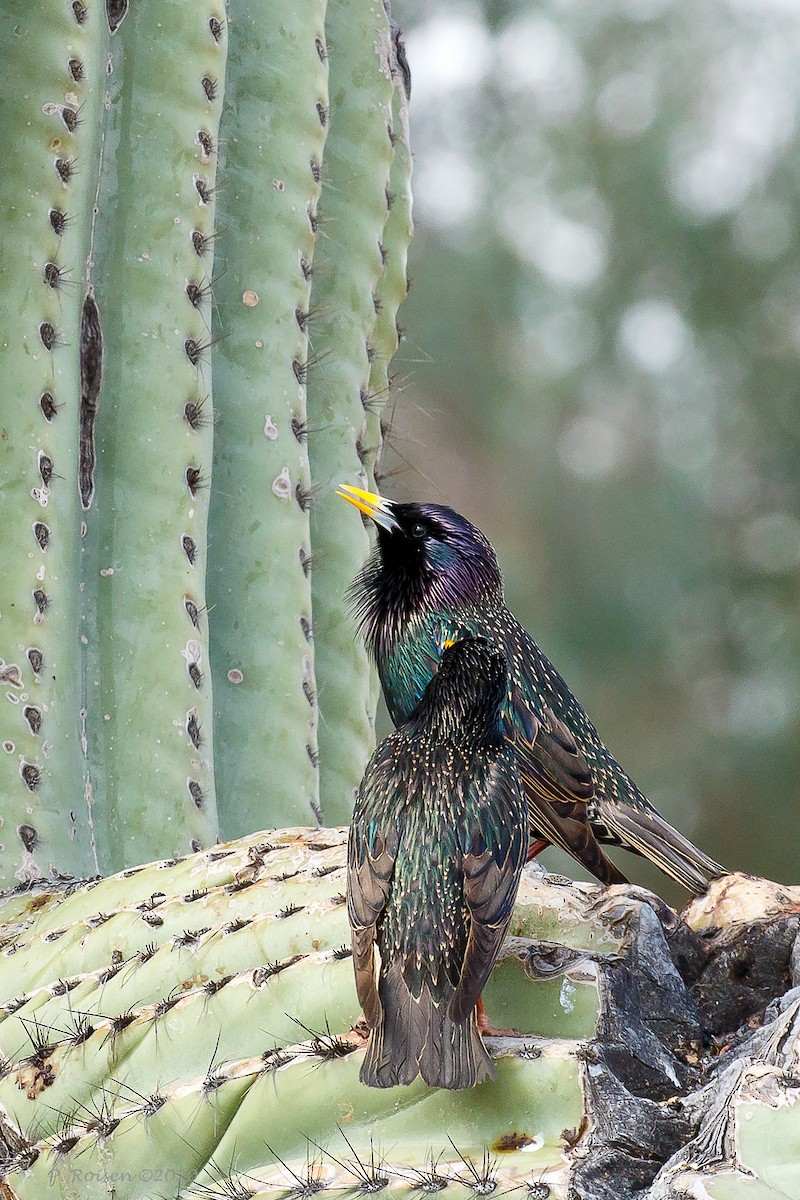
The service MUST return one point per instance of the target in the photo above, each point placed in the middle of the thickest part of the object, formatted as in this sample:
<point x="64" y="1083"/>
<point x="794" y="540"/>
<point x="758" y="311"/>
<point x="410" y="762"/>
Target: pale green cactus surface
<point x="273" y="141"/>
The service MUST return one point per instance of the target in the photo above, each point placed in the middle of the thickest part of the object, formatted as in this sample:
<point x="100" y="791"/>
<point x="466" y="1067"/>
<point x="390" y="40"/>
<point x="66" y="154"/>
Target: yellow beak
<point x="374" y="506"/>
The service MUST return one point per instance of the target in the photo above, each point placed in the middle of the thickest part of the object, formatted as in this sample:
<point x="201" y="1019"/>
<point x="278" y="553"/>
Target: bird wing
<point x="371" y="853"/>
<point x="558" y="781"/>
<point x="492" y="865"/>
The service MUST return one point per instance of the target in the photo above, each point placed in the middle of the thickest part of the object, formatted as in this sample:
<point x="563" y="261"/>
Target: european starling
<point x="433" y="576"/>
<point x="437" y="844"/>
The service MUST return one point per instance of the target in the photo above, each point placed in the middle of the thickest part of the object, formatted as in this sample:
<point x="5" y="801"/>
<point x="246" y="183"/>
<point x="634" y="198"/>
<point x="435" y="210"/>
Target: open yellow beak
<point x="374" y="506"/>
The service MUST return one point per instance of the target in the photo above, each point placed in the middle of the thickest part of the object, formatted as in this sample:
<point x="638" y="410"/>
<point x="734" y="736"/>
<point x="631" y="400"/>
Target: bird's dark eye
<point x="418" y="530"/>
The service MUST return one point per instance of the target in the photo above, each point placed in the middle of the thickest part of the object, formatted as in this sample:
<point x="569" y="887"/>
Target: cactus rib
<point x="348" y="265"/>
<point x="392" y="287"/>
<point x="147" y="685"/>
<point x="259" y="535"/>
<point x="49" y="89"/>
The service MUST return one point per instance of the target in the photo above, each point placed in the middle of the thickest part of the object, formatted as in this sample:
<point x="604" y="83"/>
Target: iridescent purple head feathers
<point x="428" y="559"/>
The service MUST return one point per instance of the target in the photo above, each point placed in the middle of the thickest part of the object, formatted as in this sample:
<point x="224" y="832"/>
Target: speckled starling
<point x="437" y="844"/>
<point x="434" y="576"/>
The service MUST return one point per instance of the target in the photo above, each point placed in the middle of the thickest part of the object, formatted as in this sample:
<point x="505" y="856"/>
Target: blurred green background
<point x="601" y="370"/>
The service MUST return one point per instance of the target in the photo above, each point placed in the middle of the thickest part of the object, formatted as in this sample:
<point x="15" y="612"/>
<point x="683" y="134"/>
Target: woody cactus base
<point x="190" y="1028"/>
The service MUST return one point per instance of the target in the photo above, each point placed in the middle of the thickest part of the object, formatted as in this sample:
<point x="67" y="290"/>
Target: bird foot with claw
<point x="359" y="1033"/>
<point x="485" y="1025"/>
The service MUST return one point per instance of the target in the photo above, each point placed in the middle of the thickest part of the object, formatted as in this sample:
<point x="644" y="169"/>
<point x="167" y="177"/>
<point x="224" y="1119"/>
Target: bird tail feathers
<point x="416" y="1036"/>
<point x="647" y="833"/>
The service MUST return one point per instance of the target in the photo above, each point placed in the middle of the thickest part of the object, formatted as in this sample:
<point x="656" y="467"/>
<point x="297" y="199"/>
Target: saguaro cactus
<point x="192" y="242"/>
<point x="247" y="947"/>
